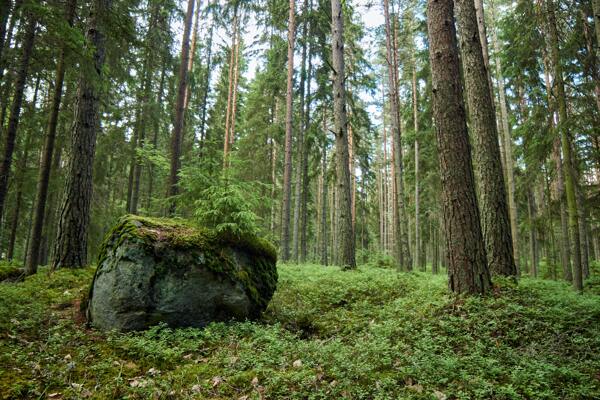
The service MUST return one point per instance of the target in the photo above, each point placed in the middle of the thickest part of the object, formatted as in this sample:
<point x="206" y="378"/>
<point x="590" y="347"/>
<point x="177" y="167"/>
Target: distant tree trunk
<point x="566" y="145"/>
<point x="344" y="230"/>
<point x="13" y="121"/>
<point x="287" y="168"/>
<point x="324" y="195"/>
<point x="6" y="36"/>
<point x="533" y="245"/>
<point x="143" y="107"/>
<point x="230" y="79"/>
<point x="156" y="128"/>
<point x="71" y="243"/>
<point x="467" y="266"/>
<point x="488" y="167"/>
<point x="206" y="84"/>
<point x="507" y="139"/>
<point x="402" y="248"/>
<point x="190" y="61"/>
<point x="304" y="166"/>
<point x="33" y="251"/>
<point x="177" y="136"/>
<point x="300" y="153"/>
<point x="415" y="98"/>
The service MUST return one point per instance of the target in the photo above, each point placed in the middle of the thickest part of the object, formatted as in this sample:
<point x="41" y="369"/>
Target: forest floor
<point x="328" y="334"/>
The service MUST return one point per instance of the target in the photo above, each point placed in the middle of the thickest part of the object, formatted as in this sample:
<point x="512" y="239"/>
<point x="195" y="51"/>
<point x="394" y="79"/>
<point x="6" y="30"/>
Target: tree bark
<point x="13" y="121"/>
<point x="467" y="267"/>
<point x="402" y="247"/>
<point x="488" y="167"/>
<point x="300" y="153"/>
<point x="289" y="113"/>
<point x="566" y="145"/>
<point x="177" y="136"/>
<point x="33" y="251"/>
<point x="507" y="140"/>
<point x="71" y="243"/>
<point x="344" y="229"/>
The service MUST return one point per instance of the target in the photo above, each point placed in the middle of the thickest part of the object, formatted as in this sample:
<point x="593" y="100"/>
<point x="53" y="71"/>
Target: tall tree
<point x="15" y="111"/>
<point x="177" y="135"/>
<point x="345" y="231"/>
<point x="506" y="140"/>
<point x="566" y="143"/>
<point x="71" y="242"/>
<point x="467" y="266"/>
<point x="402" y="248"/>
<point x="32" y="257"/>
<point x="488" y="167"/>
<point x="289" y="112"/>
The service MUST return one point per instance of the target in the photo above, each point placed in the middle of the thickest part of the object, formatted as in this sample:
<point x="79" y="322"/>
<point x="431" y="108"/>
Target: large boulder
<point x="166" y="270"/>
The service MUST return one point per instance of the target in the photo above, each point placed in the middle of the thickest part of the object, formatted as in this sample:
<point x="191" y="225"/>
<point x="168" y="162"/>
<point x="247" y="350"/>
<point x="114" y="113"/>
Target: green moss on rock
<point x="211" y="249"/>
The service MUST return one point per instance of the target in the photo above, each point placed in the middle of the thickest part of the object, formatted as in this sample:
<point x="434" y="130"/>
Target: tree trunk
<point x="507" y="140"/>
<point x="230" y="79"/>
<point x="289" y="112"/>
<point x="533" y="245"/>
<point x="402" y="249"/>
<point x="300" y="152"/>
<point x="467" y="267"/>
<point x="206" y="84"/>
<point x="304" y="165"/>
<point x="177" y="136"/>
<point x="415" y="98"/>
<point x="344" y="229"/>
<point x="488" y="167"/>
<point x="13" y="121"/>
<point x="156" y="128"/>
<point x="33" y="251"/>
<point x="596" y="11"/>
<point x="71" y="243"/>
<point x="324" y="196"/>
<point x="5" y="8"/>
<point x="566" y="145"/>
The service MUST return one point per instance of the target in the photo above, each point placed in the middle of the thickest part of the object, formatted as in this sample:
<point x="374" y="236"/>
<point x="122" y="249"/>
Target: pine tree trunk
<point x="566" y="146"/>
<point x="33" y="251"/>
<point x="289" y="112"/>
<point x="13" y="121"/>
<point x="345" y="232"/>
<point x="156" y="128"/>
<point x="533" y="245"/>
<point x="230" y="79"/>
<point x="71" y="243"/>
<point x="467" y="266"/>
<point x="300" y="153"/>
<point x="206" y="90"/>
<point x="507" y="141"/>
<point x="402" y="248"/>
<point x="415" y="98"/>
<point x="177" y="136"/>
<point x="324" y="195"/>
<point x="304" y="166"/>
<point x="488" y="167"/>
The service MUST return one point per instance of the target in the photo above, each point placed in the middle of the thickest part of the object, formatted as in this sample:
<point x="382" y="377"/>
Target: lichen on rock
<point x="153" y="270"/>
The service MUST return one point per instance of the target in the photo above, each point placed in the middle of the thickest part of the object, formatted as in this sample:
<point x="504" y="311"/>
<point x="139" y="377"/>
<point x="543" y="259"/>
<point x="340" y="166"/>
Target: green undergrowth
<point x="373" y="333"/>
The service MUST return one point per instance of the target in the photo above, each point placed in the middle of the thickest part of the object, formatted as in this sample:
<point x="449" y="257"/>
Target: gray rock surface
<point x="159" y="270"/>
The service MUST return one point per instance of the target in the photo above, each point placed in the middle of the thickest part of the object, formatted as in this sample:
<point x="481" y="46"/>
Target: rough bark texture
<point x="596" y="11"/>
<point x="345" y="232"/>
<point x="177" y="136"/>
<point x="467" y="268"/>
<point x="33" y="251"/>
<point x="71" y="242"/>
<point x="289" y="112"/>
<point x="488" y="167"/>
<point x="15" y="111"/>
<point x="5" y="6"/>
<point x="507" y="145"/>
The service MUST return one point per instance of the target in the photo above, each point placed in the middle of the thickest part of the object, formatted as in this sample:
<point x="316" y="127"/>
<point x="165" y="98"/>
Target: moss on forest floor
<point x="366" y="334"/>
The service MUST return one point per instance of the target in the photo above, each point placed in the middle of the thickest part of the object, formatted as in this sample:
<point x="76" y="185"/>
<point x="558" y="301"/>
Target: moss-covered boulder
<point x="167" y="270"/>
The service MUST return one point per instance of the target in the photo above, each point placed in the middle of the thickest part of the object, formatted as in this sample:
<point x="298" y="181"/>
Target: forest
<point x="300" y="199"/>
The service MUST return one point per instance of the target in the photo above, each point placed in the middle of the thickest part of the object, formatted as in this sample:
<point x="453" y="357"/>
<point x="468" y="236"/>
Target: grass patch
<point x="368" y="334"/>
